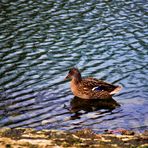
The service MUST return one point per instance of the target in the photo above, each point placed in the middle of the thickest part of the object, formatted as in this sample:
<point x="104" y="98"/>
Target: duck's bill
<point x="67" y="77"/>
<point x="116" y="90"/>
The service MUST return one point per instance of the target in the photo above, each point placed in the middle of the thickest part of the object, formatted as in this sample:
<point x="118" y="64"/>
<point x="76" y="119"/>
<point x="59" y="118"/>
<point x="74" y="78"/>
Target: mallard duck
<point x="90" y="88"/>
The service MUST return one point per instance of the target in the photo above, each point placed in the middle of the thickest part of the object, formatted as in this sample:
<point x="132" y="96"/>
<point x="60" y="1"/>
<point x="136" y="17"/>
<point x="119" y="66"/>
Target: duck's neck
<point x="77" y="79"/>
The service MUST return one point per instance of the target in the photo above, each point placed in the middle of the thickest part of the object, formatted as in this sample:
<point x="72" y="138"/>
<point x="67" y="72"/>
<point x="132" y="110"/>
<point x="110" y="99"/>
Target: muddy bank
<point x="30" y="138"/>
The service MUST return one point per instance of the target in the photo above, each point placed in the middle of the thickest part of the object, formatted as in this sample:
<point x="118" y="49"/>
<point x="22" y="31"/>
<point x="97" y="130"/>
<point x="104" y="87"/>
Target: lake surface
<point x="41" y="40"/>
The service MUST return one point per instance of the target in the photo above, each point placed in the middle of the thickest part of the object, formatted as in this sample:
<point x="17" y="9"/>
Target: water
<point x="41" y="41"/>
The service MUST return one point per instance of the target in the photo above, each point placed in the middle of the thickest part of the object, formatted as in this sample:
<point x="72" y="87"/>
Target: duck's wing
<point x="99" y="85"/>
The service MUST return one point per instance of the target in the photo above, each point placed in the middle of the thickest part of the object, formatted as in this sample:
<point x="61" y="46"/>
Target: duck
<point x="89" y="87"/>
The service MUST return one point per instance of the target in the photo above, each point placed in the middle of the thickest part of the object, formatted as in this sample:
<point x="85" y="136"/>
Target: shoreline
<point x="31" y="138"/>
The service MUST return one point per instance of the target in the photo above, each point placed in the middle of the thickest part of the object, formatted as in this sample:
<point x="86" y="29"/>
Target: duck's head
<point x="74" y="74"/>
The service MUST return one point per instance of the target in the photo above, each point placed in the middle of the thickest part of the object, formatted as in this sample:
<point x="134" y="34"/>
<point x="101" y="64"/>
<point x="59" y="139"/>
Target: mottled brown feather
<point x="90" y="83"/>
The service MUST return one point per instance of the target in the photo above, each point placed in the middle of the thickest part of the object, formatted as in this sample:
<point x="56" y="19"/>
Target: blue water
<point x="41" y="40"/>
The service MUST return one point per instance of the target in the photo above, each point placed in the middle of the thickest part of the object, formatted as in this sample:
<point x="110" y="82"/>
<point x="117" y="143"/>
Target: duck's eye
<point x="70" y="72"/>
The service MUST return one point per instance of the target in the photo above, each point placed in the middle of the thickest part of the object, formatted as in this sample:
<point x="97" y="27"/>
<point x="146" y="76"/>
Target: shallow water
<point x="41" y="41"/>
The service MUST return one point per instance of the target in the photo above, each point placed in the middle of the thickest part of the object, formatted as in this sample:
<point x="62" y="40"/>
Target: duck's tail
<point x="116" y="90"/>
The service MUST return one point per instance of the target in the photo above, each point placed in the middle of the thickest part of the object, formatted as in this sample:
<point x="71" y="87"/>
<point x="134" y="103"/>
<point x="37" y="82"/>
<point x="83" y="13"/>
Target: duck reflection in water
<point x="78" y="104"/>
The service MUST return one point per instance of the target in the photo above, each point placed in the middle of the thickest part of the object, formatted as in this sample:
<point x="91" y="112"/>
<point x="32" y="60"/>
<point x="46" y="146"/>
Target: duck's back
<point x="97" y="85"/>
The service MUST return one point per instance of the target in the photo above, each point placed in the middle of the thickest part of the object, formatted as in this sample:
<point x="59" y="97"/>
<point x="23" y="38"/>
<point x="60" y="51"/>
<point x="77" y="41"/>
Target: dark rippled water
<point x="41" y="40"/>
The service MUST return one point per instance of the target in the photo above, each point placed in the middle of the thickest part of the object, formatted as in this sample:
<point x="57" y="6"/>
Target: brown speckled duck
<point x="90" y="88"/>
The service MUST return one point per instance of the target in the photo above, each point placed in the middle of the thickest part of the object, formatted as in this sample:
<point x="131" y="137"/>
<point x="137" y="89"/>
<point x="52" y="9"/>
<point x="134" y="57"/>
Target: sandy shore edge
<point x="31" y="138"/>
